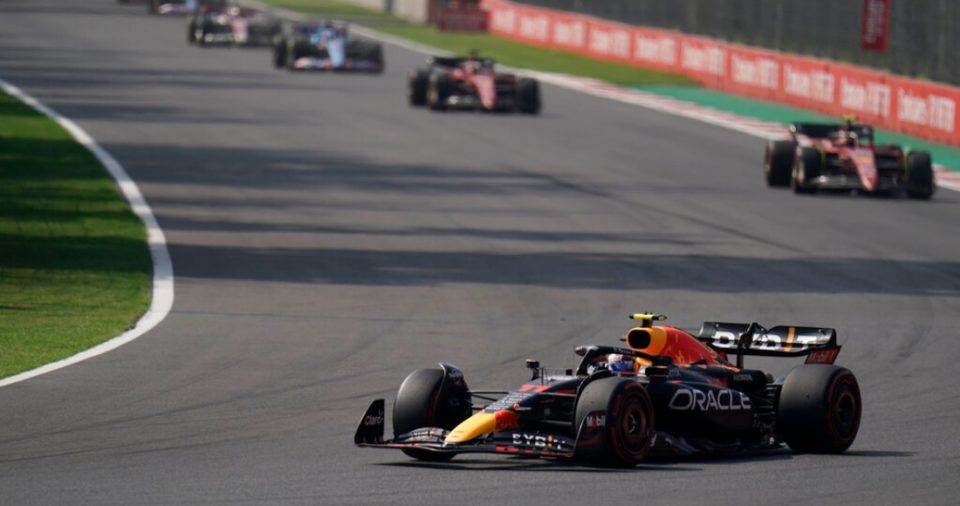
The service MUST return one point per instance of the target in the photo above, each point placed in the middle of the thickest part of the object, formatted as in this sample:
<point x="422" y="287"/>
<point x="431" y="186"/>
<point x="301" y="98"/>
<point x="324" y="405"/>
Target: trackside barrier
<point x="924" y="109"/>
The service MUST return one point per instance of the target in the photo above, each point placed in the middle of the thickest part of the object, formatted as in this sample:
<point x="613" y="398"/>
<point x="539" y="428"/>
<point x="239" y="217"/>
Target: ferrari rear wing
<point x="818" y="344"/>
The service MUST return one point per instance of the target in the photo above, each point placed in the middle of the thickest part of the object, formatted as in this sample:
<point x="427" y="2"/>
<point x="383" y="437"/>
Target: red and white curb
<point x="161" y="300"/>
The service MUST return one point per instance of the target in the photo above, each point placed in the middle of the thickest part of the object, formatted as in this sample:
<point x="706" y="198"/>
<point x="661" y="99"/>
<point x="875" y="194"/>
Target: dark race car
<point x="182" y="7"/>
<point x="667" y="392"/>
<point x="232" y="25"/>
<point x="843" y="156"/>
<point x="325" y="46"/>
<point x="471" y="83"/>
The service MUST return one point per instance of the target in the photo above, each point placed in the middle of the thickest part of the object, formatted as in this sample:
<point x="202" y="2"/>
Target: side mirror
<point x="534" y="366"/>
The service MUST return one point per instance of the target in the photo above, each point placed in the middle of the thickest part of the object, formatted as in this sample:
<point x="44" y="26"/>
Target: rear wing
<point x="819" y="344"/>
<point x="824" y="130"/>
<point x="456" y="61"/>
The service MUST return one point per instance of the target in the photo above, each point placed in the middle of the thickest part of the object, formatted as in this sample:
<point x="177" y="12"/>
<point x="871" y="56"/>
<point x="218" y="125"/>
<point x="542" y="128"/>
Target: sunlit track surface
<point x="327" y="240"/>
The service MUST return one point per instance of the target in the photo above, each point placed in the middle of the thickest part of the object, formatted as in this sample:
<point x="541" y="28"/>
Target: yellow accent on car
<point x="477" y="425"/>
<point x="791" y="335"/>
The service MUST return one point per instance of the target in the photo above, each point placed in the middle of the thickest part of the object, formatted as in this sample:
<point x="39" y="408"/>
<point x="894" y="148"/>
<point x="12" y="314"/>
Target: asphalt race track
<point x="327" y="240"/>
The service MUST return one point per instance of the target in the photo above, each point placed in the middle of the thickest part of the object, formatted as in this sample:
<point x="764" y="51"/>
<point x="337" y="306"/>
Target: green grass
<point x="74" y="264"/>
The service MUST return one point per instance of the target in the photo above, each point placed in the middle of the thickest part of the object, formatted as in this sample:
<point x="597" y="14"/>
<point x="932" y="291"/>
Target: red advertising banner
<point x="655" y="48"/>
<point x="461" y="17"/>
<point x="875" y="25"/>
<point x="907" y="105"/>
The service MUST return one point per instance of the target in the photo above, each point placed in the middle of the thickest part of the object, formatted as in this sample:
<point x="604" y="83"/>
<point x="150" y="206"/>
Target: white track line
<point x="162" y="297"/>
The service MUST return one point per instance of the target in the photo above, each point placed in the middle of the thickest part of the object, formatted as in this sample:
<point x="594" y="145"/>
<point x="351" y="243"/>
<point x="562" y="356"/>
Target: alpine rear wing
<point x="819" y="344"/>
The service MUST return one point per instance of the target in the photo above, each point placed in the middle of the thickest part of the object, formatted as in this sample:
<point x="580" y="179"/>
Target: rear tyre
<point x="417" y="84"/>
<point x="819" y="409"/>
<point x="920" y="181"/>
<point x="528" y="96"/>
<point x="629" y="421"/>
<point x="778" y="162"/>
<point x="806" y="168"/>
<point x="420" y="403"/>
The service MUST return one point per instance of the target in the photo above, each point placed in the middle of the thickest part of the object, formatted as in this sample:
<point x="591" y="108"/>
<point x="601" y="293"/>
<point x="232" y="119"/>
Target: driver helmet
<point x="619" y="363"/>
<point x="850" y="138"/>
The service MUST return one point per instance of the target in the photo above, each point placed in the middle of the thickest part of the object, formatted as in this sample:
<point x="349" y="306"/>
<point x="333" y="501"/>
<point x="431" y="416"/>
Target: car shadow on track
<point x="662" y="464"/>
<point x="515" y="464"/>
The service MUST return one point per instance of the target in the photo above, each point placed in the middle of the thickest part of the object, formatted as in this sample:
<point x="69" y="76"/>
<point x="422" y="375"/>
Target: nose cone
<point x="481" y="423"/>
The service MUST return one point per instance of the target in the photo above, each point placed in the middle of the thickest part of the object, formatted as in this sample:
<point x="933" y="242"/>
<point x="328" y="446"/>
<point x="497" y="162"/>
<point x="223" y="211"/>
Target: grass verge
<point x="74" y="263"/>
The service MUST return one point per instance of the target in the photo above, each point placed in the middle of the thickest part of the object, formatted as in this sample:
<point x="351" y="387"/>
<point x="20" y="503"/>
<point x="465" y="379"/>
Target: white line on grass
<point x="162" y="297"/>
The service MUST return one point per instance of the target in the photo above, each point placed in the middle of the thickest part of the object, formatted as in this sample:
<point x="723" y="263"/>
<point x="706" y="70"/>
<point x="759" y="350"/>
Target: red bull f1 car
<point x="232" y="25"/>
<point x="843" y="156"/>
<point x="667" y="392"/>
<point x="325" y="46"/>
<point x="471" y="83"/>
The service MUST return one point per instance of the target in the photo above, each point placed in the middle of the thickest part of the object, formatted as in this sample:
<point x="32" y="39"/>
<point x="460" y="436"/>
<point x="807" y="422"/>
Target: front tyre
<point x="417" y="84"/>
<point x="806" y="168"/>
<point x="627" y="432"/>
<point x="420" y="403"/>
<point x="528" y="96"/>
<point x="280" y="53"/>
<point x="819" y="409"/>
<point x="920" y="181"/>
<point x="438" y="91"/>
<point x="778" y="162"/>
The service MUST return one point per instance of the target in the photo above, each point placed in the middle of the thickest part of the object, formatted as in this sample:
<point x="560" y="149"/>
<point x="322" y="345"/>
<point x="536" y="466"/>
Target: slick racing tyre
<point x="819" y="409"/>
<point x="528" y="96"/>
<point x="375" y="55"/>
<point x="438" y="92"/>
<point x="920" y="182"/>
<point x="806" y="168"/>
<point x="420" y="403"/>
<point x="778" y="162"/>
<point x="627" y="431"/>
<point x="417" y="83"/>
<point x="280" y="53"/>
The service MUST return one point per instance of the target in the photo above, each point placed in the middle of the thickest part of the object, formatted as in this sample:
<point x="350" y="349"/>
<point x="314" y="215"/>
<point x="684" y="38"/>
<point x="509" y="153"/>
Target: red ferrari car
<point x="843" y="156"/>
<point x="471" y="83"/>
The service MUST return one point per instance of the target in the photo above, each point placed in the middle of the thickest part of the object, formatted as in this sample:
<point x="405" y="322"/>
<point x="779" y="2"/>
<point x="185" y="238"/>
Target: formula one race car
<point x="667" y="392"/>
<point x="471" y="83"/>
<point x="232" y="25"/>
<point x="183" y="6"/>
<point x="325" y="46"/>
<point x="843" y="156"/>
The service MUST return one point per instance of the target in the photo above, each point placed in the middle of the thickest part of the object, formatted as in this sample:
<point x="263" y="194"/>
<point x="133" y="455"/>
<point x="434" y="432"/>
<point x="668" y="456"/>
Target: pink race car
<point x="843" y="156"/>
